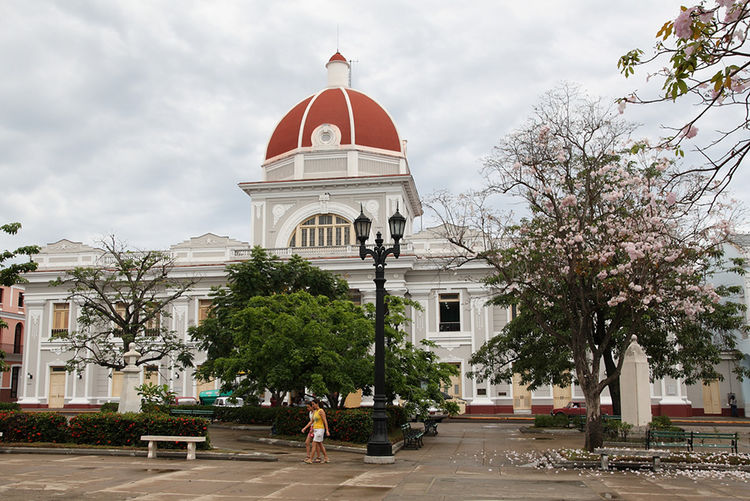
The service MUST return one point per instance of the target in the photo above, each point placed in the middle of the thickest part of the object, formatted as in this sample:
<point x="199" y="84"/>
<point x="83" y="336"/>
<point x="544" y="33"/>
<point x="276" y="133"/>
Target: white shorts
<point x="318" y="434"/>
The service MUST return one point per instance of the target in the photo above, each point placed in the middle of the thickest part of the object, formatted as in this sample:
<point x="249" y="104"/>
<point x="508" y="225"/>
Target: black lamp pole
<point x="379" y="447"/>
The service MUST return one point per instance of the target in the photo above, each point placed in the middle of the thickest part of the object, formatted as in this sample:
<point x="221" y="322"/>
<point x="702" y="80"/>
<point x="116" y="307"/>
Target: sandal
<point x="317" y="460"/>
<point x="308" y="461"/>
<point x="326" y="460"/>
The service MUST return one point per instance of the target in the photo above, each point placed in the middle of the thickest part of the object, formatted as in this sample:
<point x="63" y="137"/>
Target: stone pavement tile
<point x="249" y="489"/>
<point x="304" y="491"/>
<point x="176" y="486"/>
<point x="377" y="478"/>
<point x="248" y="471"/>
<point x="484" y="488"/>
<point x="358" y="492"/>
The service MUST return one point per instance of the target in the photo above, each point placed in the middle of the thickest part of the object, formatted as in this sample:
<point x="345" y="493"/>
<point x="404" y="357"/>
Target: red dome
<point x="337" y="57"/>
<point x="361" y="121"/>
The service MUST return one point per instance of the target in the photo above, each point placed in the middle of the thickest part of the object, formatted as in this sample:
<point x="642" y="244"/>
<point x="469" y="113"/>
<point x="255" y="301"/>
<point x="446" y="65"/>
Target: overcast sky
<point x="140" y="118"/>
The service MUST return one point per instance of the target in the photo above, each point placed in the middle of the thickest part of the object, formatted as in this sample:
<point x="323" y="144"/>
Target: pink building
<point x="11" y="340"/>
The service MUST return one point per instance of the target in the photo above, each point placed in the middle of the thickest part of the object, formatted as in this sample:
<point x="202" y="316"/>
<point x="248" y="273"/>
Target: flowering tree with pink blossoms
<point x="707" y="64"/>
<point x="607" y="250"/>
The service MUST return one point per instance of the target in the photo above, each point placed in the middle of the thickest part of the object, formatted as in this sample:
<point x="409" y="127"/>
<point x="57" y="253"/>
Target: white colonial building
<point x="332" y="153"/>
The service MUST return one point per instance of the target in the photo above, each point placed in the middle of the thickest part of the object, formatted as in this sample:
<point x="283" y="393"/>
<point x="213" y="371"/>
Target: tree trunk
<point x="614" y="387"/>
<point x="594" y="433"/>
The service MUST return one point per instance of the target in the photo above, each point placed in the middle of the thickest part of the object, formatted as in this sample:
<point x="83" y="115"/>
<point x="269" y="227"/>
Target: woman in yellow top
<point x="319" y="427"/>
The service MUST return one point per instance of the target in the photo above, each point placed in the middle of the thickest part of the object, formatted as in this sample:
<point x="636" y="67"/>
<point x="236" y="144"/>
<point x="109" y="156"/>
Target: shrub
<point x="614" y="429"/>
<point x="348" y="425"/>
<point x="109" y="407"/>
<point x="9" y="406"/>
<point x="248" y="414"/>
<point x="548" y="421"/>
<point x="126" y="429"/>
<point x="542" y="421"/>
<point x="660" y="423"/>
<point x="33" y="427"/>
<point x="451" y="408"/>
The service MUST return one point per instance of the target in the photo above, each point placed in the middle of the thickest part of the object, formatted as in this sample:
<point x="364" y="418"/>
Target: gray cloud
<point x="140" y="118"/>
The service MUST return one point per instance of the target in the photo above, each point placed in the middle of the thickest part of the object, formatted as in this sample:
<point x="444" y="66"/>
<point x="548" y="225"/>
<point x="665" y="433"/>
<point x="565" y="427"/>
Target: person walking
<point x="309" y="429"/>
<point x="320" y="430"/>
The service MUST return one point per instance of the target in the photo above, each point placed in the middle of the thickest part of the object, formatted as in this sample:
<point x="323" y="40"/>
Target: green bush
<point x="548" y="421"/>
<point x="614" y="429"/>
<point x="109" y="407"/>
<point x="660" y="423"/>
<point x="348" y="425"/>
<point x="126" y="429"/>
<point x="9" y="406"/>
<point x="33" y="427"/>
<point x="249" y="414"/>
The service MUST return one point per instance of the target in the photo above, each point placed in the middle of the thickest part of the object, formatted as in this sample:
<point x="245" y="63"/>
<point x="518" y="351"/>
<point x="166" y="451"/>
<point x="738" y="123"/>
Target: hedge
<point x="549" y="421"/>
<point x="9" y="406"/>
<point x="126" y="429"/>
<point x="348" y="425"/>
<point x="33" y="427"/>
<point x="249" y="414"/>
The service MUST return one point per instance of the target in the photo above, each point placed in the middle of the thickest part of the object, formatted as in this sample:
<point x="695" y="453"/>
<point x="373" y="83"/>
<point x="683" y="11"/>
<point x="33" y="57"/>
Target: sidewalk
<point x="467" y="460"/>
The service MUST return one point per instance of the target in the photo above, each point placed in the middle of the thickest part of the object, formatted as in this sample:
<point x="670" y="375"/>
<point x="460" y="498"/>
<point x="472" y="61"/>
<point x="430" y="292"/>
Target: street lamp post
<point x="379" y="447"/>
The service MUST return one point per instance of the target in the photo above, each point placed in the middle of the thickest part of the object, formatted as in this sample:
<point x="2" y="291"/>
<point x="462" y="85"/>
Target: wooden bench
<point x="715" y="440"/>
<point x="152" y="439"/>
<point x="661" y="438"/>
<point x="412" y="437"/>
<point x="208" y="414"/>
<point x="654" y="455"/>
<point x="430" y="427"/>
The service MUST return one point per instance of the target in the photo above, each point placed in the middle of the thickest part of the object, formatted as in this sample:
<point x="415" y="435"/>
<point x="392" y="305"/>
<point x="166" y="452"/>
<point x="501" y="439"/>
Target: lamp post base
<point x="380" y="459"/>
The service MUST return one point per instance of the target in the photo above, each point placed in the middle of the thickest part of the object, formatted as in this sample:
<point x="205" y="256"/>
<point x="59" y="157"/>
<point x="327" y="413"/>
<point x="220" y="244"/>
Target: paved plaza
<point x="466" y="461"/>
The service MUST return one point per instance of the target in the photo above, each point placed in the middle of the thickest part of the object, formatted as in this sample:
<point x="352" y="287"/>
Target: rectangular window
<point x="513" y="311"/>
<point x="60" y="318"/>
<point x="338" y="236"/>
<point x="1" y="295"/>
<point x="14" y="375"/>
<point x="152" y="326"/>
<point x="327" y="219"/>
<point x="355" y="296"/>
<point x="204" y="306"/>
<point x="482" y="392"/>
<point x="450" y="312"/>
<point x="20" y="299"/>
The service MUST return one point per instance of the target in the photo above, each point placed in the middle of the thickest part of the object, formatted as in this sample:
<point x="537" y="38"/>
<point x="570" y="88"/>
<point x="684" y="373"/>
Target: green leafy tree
<point x="284" y="342"/>
<point x="124" y="299"/>
<point x="701" y="57"/>
<point x="10" y="274"/>
<point x="261" y="275"/>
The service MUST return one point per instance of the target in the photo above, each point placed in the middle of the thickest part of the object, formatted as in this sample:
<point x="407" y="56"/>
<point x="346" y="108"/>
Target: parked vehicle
<point x="208" y="397"/>
<point x="229" y="402"/>
<point x="186" y="401"/>
<point x="572" y="409"/>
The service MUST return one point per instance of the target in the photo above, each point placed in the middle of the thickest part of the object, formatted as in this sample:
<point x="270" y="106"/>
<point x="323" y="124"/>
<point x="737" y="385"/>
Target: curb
<point x="139" y="453"/>
<point x="292" y="443"/>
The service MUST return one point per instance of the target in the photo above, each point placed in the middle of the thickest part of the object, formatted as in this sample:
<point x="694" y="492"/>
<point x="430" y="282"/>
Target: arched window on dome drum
<point x="323" y="230"/>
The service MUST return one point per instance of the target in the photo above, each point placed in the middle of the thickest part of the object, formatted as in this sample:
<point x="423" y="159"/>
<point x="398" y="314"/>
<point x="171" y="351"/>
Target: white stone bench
<point x="655" y="455"/>
<point x="152" y="439"/>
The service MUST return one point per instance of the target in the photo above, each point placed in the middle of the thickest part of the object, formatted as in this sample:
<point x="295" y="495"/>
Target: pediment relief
<point x="67" y="246"/>
<point x="209" y="240"/>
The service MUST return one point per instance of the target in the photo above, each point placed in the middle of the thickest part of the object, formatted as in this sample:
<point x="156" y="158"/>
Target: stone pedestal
<point x="635" y="388"/>
<point x="129" y="399"/>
